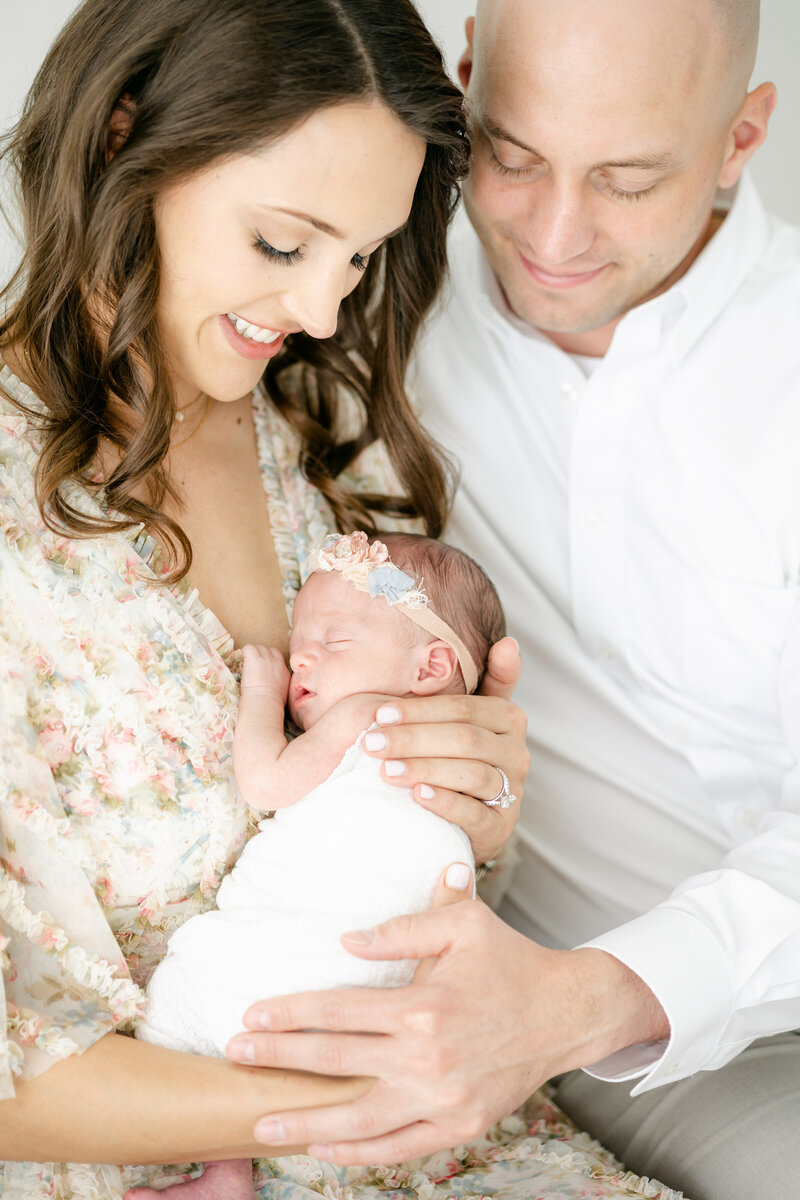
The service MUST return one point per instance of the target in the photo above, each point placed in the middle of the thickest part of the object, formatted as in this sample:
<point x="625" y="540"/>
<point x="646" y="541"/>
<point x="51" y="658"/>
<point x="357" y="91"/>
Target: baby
<point x="342" y="848"/>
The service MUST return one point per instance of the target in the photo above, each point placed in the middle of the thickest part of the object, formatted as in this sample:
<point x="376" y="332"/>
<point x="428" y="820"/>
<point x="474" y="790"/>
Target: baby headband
<point x="369" y="568"/>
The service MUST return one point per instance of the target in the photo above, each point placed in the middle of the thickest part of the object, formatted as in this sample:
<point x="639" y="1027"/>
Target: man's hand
<point x="459" y="1049"/>
<point x="446" y="748"/>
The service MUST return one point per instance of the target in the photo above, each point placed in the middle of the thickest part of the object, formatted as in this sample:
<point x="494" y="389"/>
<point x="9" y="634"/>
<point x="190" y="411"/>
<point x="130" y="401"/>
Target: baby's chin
<point x="303" y="717"/>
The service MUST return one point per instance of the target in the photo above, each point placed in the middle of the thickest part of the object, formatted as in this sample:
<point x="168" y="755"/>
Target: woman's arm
<point x="126" y="1101"/>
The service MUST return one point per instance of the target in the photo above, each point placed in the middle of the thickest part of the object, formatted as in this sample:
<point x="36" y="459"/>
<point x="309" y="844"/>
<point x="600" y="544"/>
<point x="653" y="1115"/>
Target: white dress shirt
<point x="642" y="524"/>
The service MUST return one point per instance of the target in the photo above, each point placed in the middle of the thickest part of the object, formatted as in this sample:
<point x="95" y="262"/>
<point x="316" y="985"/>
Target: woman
<point x="209" y="188"/>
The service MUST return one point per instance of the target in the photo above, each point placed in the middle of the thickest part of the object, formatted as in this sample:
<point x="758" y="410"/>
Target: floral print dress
<point x="119" y="815"/>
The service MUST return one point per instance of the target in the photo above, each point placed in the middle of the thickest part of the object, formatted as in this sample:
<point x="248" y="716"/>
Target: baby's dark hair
<point x="460" y="592"/>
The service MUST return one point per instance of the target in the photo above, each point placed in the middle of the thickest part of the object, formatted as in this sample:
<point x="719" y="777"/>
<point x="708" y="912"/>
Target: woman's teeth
<point x="254" y="332"/>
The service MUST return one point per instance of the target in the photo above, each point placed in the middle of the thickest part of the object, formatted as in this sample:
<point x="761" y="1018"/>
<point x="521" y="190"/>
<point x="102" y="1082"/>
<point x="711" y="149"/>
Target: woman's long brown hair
<point x="204" y="79"/>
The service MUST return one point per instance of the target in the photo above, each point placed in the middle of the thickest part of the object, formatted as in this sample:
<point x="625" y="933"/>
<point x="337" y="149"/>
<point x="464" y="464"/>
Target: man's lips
<point x="560" y="280"/>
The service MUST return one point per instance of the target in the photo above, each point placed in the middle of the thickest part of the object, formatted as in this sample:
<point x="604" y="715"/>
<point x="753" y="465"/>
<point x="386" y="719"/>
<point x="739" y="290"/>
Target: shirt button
<point x="569" y="391"/>
<point x="750" y="817"/>
<point x="606" y="652"/>
<point x="596" y="520"/>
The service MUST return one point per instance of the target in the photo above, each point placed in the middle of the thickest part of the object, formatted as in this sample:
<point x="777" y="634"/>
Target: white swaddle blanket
<point x="351" y="853"/>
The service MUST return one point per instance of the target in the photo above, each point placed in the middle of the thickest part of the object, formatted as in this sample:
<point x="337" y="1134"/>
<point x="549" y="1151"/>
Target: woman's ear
<point x="120" y="126"/>
<point x="436" y="667"/>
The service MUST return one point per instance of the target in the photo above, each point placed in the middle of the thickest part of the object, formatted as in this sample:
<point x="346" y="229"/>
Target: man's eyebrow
<point x="643" y="162"/>
<point x="638" y="162"/>
<point x="323" y="225"/>
<point x="502" y="135"/>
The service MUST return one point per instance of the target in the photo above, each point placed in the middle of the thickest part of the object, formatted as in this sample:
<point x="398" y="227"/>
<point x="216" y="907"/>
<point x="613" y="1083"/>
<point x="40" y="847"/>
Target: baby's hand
<point x="264" y="669"/>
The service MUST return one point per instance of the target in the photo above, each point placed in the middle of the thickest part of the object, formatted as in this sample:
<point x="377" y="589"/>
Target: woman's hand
<point x="446" y="748"/>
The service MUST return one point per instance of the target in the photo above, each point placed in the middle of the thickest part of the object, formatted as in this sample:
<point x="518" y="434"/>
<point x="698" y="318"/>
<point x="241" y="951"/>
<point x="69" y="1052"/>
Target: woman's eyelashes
<point x="289" y="257"/>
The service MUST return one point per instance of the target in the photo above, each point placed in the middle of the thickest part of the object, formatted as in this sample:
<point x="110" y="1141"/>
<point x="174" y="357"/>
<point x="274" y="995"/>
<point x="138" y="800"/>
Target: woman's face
<point x="261" y="245"/>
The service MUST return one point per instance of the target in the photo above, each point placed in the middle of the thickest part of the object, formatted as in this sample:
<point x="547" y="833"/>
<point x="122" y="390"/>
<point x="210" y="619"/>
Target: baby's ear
<point x="437" y="664"/>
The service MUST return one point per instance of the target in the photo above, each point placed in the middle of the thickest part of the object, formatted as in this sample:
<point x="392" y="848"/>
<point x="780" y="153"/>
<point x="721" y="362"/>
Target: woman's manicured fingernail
<point x="241" y="1050"/>
<point x="516" y="643"/>
<point x="387" y="714"/>
<point x="263" y="1019"/>
<point x="270" y="1132"/>
<point x="458" y="877"/>
<point x="375" y="740"/>
<point x="360" y="937"/>
<point x="426" y="792"/>
<point x="393" y="767"/>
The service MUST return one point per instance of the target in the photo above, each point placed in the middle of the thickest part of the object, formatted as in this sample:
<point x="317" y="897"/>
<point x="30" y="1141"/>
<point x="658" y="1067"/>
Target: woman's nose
<point x="315" y="303"/>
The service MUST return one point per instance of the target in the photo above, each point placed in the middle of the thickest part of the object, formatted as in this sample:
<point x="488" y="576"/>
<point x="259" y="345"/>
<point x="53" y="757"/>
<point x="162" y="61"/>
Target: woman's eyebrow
<point x="323" y="226"/>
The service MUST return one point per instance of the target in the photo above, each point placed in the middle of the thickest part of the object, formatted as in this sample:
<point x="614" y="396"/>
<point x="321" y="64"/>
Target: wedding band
<point x="505" y="797"/>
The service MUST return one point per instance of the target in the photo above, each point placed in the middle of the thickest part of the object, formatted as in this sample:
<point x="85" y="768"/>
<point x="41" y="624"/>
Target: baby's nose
<point x="299" y="658"/>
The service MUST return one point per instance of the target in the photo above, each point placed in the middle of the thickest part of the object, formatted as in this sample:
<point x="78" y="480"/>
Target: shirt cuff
<point x="685" y="967"/>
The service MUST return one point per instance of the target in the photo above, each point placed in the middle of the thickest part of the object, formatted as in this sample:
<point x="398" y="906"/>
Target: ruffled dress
<point x="119" y="816"/>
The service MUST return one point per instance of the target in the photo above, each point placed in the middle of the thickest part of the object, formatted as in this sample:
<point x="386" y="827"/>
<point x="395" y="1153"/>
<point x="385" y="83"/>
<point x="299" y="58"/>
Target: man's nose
<point x="560" y="225"/>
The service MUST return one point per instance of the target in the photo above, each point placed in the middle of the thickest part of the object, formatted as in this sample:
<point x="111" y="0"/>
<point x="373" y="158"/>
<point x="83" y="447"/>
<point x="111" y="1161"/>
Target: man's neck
<point x="595" y="343"/>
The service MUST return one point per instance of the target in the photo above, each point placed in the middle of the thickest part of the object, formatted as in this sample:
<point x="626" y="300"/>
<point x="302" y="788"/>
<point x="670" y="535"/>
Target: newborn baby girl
<point x="342" y="849"/>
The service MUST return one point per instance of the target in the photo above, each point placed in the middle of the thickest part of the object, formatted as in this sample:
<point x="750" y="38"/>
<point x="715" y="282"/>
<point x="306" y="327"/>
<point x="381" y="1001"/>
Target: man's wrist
<point x="622" y="1010"/>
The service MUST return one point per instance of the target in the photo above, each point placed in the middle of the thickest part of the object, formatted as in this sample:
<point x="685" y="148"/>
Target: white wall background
<point x="30" y="25"/>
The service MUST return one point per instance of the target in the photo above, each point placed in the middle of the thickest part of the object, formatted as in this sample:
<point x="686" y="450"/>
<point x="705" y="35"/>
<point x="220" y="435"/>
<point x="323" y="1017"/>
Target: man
<point x="617" y="371"/>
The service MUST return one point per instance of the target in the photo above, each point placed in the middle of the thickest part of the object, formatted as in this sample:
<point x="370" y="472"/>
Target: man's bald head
<point x="729" y="30"/>
<point x="739" y="22"/>
<point x="602" y="130"/>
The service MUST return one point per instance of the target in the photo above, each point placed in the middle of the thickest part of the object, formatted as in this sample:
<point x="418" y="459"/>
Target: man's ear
<point x="748" y="132"/>
<point x="437" y="666"/>
<point x="465" y="62"/>
<point x="120" y="126"/>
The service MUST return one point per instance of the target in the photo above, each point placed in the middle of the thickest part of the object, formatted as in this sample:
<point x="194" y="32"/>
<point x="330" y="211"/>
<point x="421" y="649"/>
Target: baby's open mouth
<point x="300" y="693"/>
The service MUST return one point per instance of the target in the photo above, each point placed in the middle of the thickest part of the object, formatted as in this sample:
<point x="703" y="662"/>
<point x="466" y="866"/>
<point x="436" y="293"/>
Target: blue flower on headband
<point x="390" y="582"/>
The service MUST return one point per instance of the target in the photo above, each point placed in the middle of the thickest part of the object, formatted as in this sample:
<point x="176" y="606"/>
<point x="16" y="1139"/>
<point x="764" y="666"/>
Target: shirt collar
<point x="720" y="268"/>
<point x="683" y="313"/>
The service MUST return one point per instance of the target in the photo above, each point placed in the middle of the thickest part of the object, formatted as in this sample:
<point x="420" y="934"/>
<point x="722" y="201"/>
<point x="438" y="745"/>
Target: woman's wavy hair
<point x="205" y="79"/>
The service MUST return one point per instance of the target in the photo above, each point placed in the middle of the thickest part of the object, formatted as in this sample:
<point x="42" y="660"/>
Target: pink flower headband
<point x="369" y="568"/>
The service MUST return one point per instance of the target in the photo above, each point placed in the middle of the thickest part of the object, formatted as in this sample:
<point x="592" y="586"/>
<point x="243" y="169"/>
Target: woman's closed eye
<point x="289" y="257"/>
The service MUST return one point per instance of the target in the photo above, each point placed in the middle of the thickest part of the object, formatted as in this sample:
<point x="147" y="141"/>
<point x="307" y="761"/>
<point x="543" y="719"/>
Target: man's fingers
<point x="416" y="935"/>
<point x="340" y="1010"/>
<point x="503" y="669"/>
<point x="353" y="1125"/>
<point x="318" y="1053"/>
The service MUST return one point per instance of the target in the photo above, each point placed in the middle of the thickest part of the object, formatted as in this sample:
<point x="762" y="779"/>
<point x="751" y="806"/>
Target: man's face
<point x="598" y="147"/>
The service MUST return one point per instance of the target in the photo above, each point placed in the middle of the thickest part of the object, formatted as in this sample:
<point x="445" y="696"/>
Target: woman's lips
<point x="562" y="281"/>
<point x="246" y="347"/>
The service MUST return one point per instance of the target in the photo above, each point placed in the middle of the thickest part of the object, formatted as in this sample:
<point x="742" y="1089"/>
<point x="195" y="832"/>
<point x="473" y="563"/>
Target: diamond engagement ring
<point x="505" y="797"/>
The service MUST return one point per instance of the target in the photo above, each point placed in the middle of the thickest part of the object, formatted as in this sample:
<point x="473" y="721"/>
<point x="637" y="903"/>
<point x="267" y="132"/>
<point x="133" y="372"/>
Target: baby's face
<point x="344" y="642"/>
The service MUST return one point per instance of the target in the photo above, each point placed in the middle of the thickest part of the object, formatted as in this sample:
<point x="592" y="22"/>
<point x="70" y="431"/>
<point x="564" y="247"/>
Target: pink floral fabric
<point x="119" y="815"/>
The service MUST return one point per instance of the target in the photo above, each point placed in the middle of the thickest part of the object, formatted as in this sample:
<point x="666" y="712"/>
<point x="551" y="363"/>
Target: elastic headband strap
<point x="440" y="629"/>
